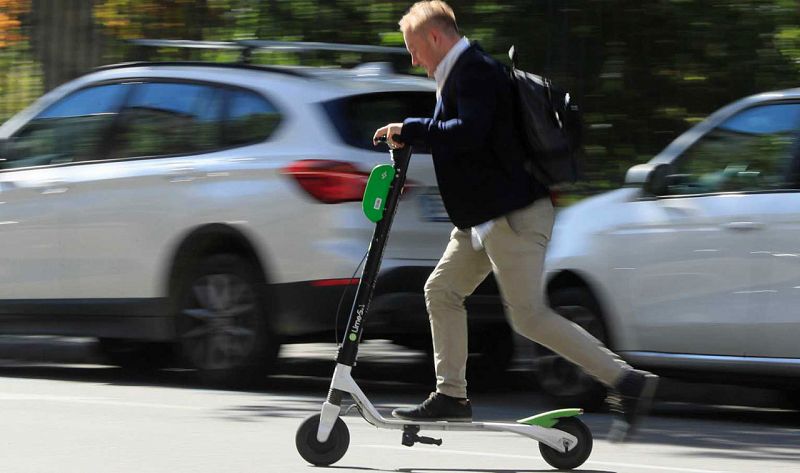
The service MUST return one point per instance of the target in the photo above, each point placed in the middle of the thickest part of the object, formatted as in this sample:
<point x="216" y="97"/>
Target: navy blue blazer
<point x="477" y="151"/>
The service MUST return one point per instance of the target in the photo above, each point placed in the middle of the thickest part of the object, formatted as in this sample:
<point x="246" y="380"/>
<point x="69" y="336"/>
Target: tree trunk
<point x="64" y="39"/>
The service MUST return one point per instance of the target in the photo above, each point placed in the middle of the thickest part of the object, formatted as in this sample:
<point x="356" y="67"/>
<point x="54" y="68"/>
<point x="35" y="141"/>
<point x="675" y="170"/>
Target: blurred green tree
<point x="643" y="70"/>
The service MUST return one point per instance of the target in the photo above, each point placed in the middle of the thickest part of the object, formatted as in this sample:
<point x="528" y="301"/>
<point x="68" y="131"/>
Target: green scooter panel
<point x="549" y="419"/>
<point x="374" y="201"/>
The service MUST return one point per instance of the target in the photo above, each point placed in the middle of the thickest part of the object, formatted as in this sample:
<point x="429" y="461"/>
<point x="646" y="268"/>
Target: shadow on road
<point x="483" y="470"/>
<point x="726" y="432"/>
<point x="465" y="470"/>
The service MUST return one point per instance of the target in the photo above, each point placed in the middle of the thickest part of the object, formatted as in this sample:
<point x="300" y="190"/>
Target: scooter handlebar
<point x="382" y="139"/>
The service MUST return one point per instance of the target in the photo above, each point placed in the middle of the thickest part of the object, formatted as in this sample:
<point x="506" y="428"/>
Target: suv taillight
<point x="330" y="182"/>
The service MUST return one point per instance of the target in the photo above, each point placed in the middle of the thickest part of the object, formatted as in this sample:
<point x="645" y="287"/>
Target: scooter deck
<point x="545" y="419"/>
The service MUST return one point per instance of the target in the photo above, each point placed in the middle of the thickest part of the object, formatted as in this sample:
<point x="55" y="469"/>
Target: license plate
<point x="432" y="207"/>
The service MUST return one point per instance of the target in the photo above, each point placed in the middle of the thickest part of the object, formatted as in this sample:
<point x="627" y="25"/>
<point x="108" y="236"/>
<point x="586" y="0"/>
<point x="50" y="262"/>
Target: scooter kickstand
<point x="410" y="437"/>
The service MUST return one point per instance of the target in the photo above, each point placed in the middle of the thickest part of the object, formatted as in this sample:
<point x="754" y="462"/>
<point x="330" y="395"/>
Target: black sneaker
<point x="631" y="401"/>
<point x="437" y="407"/>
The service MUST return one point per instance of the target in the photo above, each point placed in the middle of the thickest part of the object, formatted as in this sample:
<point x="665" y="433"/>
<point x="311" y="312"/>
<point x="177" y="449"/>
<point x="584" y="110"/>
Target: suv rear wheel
<point x="223" y="331"/>
<point x="558" y="378"/>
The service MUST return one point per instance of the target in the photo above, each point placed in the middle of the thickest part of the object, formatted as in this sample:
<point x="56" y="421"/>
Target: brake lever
<point x="395" y="137"/>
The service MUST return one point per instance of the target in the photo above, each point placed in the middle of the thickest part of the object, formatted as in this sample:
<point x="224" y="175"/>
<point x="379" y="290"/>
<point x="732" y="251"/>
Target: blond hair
<point x="429" y="12"/>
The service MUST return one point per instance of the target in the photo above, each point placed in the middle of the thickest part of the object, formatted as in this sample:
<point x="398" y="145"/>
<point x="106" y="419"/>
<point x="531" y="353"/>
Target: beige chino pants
<point x="514" y="250"/>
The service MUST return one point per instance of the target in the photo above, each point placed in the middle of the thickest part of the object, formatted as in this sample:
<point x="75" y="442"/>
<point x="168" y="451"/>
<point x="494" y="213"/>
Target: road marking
<point x="93" y="400"/>
<point x="654" y="467"/>
<point x="526" y="457"/>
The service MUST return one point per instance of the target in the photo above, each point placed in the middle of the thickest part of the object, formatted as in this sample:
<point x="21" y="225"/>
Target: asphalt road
<point x="61" y="414"/>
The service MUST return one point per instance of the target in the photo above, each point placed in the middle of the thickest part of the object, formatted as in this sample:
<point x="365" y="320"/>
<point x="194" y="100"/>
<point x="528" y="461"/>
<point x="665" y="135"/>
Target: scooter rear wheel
<point x="572" y="458"/>
<point x="322" y="453"/>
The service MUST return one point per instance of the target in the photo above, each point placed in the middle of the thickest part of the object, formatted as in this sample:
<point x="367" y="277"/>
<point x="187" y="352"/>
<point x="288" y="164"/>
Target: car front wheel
<point x="566" y="383"/>
<point x="135" y="356"/>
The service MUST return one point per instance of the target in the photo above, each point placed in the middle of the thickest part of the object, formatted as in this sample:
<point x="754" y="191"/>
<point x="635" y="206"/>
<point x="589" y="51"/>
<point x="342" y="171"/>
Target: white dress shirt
<point x="446" y="64"/>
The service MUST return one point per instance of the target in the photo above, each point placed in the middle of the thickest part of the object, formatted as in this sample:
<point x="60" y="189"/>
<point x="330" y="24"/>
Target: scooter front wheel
<point x="322" y="453"/>
<point x="573" y="458"/>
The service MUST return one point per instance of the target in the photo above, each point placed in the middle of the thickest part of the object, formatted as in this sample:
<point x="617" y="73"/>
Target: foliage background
<point x="643" y="70"/>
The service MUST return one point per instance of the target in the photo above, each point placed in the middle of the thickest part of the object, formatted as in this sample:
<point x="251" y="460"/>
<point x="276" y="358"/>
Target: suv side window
<point x="250" y="118"/>
<point x="356" y="118"/>
<point x="751" y="151"/>
<point x="72" y="129"/>
<point x="164" y="118"/>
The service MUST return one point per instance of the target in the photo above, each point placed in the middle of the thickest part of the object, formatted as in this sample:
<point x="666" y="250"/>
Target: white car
<point x="693" y="268"/>
<point x="212" y="207"/>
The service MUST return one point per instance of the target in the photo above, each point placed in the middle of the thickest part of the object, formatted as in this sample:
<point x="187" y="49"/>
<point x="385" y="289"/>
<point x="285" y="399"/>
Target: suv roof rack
<point x="248" y="46"/>
<point x="257" y="67"/>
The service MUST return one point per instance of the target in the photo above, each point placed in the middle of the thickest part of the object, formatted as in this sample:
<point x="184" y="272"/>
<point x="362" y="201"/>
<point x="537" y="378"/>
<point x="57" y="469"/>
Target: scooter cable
<point x="341" y="299"/>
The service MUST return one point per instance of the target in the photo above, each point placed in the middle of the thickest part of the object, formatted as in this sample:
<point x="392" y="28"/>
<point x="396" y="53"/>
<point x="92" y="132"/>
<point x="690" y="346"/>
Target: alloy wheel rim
<point x="221" y="317"/>
<point x="564" y="378"/>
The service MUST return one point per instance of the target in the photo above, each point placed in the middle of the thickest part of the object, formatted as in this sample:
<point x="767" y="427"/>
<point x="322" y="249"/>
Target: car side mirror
<point x="654" y="179"/>
<point x="659" y="180"/>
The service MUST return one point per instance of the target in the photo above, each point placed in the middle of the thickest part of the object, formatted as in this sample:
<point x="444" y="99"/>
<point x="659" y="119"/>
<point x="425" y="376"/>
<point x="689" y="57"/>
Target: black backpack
<point x="550" y="125"/>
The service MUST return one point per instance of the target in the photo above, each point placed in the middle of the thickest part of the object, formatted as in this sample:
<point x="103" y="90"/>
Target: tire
<point x="572" y="458"/>
<point x="491" y="349"/>
<point x="322" y="454"/>
<point x="223" y="330"/>
<point x="792" y="397"/>
<point x="136" y="356"/>
<point x="559" y="379"/>
<point x="490" y="354"/>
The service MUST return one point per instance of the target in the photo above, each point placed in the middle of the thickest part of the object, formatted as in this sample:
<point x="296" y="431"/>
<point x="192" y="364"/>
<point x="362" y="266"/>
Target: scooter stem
<point x="348" y="351"/>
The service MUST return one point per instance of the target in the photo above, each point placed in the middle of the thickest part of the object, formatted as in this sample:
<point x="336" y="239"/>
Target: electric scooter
<point x="322" y="439"/>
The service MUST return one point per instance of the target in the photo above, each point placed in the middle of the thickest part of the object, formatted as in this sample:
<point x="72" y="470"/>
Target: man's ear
<point x="434" y="36"/>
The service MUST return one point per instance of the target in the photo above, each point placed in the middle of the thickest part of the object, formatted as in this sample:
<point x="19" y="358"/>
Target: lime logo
<point x="357" y="324"/>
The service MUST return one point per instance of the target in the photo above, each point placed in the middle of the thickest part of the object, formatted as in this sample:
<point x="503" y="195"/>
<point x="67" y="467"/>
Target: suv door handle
<point x="181" y="174"/>
<point x="743" y="226"/>
<point x="680" y="210"/>
<point x="52" y="187"/>
<point x="55" y="190"/>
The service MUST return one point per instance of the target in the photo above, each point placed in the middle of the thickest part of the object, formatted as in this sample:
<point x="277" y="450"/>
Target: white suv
<point x="212" y="207"/>
<point x="693" y="268"/>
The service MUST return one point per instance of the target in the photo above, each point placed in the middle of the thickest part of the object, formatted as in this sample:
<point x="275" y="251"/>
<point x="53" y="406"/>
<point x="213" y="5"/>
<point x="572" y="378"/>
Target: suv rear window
<point x="357" y="117"/>
<point x="250" y="118"/>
